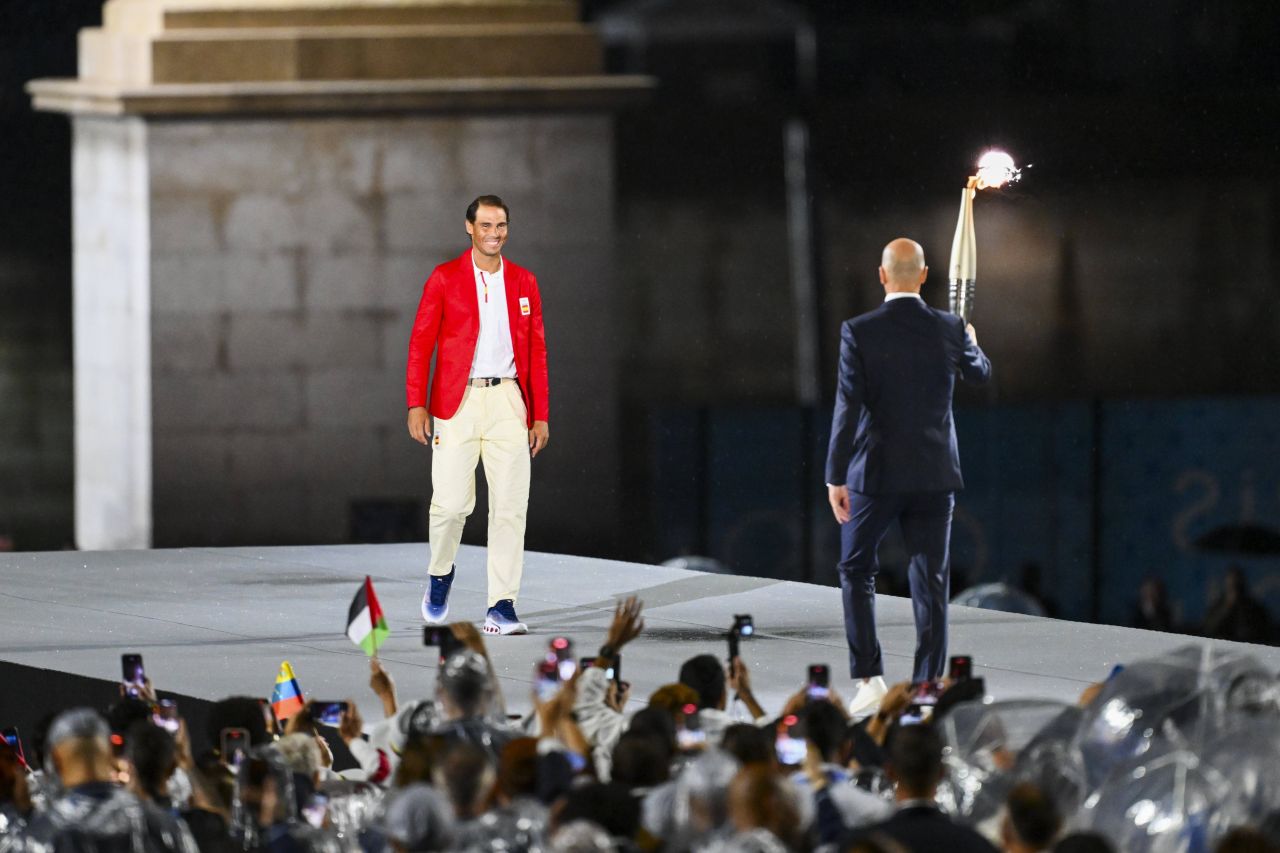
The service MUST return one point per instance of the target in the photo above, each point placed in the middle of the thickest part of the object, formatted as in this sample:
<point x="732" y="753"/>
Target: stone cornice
<point x="532" y="94"/>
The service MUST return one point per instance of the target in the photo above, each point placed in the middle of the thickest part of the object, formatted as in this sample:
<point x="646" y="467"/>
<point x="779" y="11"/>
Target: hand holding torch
<point x="995" y="169"/>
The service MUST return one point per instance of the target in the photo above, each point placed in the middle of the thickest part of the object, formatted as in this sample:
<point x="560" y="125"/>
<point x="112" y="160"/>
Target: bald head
<point x="902" y="267"/>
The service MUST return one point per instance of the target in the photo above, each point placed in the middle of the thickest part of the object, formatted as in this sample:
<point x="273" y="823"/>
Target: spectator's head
<point x="417" y="819"/>
<point x="518" y="770"/>
<point x="1237" y="585"/>
<point x="463" y="685"/>
<point x="465" y="774"/>
<point x="674" y="698"/>
<point x="658" y="724"/>
<point x="11" y="773"/>
<point x="826" y="729"/>
<point x="914" y="761"/>
<point x="301" y="755"/>
<point x="79" y="742"/>
<point x="706" y="676"/>
<point x="749" y="744"/>
<point x="264" y="793"/>
<point x="758" y="800"/>
<point x="609" y="806"/>
<point x="238" y="712"/>
<point x="127" y="713"/>
<point x="704" y="786"/>
<point x="153" y="755"/>
<point x="1031" y="820"/>
<point x="1245" y="840"/>
<point x="581" y="836"/>
<point x="640" y="760"/>
<point x="417" y="761"/>
<point x="1084" y="842"/>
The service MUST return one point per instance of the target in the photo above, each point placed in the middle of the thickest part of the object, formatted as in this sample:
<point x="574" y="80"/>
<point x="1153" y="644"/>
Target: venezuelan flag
<point x="286" y="699"/>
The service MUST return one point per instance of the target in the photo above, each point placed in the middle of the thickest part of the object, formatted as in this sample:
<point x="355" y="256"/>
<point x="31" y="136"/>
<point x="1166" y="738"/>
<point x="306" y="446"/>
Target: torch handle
<point x="964" y="259"/>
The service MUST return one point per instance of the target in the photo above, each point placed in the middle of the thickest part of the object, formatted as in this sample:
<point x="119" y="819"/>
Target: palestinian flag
<point x="286" y="698"/>
<point x="366" y="626"/>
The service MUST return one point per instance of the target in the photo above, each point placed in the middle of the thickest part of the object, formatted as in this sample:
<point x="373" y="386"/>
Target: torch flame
<point x="995" y="169"/>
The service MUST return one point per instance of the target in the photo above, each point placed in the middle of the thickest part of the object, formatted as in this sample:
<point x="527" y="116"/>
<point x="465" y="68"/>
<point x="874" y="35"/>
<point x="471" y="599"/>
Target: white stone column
<point x="112" y="334"/>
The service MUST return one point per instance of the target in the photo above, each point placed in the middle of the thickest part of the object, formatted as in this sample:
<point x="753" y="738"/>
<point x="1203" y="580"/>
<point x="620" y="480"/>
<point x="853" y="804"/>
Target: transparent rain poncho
<point x="983" y="742"/>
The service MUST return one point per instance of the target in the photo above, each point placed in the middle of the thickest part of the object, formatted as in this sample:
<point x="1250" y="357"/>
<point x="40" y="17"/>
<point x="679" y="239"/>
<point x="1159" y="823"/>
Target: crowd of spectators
<point x="701" y="767"/>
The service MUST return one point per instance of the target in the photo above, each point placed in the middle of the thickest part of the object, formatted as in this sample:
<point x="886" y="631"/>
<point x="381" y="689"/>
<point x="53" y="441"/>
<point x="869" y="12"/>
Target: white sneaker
<point x="866" y="700"/>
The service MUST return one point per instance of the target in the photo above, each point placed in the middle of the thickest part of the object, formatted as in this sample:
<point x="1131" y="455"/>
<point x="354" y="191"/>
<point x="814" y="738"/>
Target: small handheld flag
<point x="286" y="698"/>
<point x="366" y="626"/>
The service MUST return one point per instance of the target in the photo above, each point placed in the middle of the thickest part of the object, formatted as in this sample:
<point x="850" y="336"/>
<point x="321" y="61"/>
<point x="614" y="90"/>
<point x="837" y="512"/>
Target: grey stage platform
<point x="216" y="622"/>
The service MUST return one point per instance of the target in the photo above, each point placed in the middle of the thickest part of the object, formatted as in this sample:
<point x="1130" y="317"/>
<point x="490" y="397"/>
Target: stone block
<point x="196" y="462"/>
<point x="334" y="223"/>
<point x="404" y="276"/>
<point x="341" y="156"/>
<point x="212" y="157"/>
<point x="256" y="399"/>
<point x="356" y="397"/>
<point x="423" y="155"/>
<point x="185" y="342"/>
<point x="183" y="223"/>
<point x="264" y="223"/>
<point x="262" y="281"/>
<point x="395" y="340"/>
<point x="354" y="281"/>
<point x="418" y="222"/>
<point x="316" y="340"/>
<point x="188" y="283"/>
<point x="273" y="515"/>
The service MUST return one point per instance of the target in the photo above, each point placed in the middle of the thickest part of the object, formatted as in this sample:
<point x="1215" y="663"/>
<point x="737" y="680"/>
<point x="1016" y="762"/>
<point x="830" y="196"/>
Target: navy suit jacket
<point x="892" y="431"/>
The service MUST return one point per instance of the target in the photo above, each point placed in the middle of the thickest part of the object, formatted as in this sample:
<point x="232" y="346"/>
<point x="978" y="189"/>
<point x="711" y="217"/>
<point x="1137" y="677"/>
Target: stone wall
<point x="287" y="260"/>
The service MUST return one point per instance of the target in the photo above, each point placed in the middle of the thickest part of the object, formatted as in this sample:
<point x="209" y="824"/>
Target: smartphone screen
<point x="165" y="715"/>
<point x="234" y="743"/>
<point x="546" y="680"/>
<point x="132" y="674"/>
<point x="328" y="713"/>
<point x="11" y="737"/>
<point x="615" y="672"/>
<point x="819" y="684"/>
<point x="790" y="745"/>
<point x="316" y="810"/>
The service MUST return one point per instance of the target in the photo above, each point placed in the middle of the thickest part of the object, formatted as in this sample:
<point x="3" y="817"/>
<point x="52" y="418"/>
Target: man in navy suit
<point x="893" y="457"/>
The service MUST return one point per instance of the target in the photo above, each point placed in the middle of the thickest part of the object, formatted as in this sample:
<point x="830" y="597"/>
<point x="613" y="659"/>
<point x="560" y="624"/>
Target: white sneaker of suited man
<point x="866" y="699"/>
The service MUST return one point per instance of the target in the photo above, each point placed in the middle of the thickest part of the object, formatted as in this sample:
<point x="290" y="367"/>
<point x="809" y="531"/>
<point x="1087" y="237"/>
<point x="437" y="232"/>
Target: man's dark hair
<point x="826" y="729"/>
<point x="237" y="712"/>
<point x="705" y="675"/>
<point x="747" y="743"/>
<point x="640" y="760"/>
<point x="1245" y="839"/>
<point x="463" y="767"/>
<point x="609" y="806"/>
<point x="1032" y="815"/>
<point x="154" y="755"/>
<point x="486" y="201"/>
<point x="1084" y="842"/>
<point x="914" y="755"/>
<point x="123" y="715"/>
<point x="656" y="723"/>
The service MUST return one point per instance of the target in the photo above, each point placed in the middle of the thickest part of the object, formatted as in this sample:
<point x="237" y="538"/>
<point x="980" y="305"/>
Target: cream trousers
<point x="488" y="427"/>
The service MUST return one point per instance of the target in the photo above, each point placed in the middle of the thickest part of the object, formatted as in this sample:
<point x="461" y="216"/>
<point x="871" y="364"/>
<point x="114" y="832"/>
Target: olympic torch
<point x="995" y="169"/>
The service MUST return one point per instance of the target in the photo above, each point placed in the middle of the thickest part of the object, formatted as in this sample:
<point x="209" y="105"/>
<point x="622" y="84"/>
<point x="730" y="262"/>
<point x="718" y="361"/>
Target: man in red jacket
<point x="482" y="317"/>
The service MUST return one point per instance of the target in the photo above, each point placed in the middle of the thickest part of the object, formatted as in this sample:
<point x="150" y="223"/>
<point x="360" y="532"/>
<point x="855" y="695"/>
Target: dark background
<point x="1129" y="287"/>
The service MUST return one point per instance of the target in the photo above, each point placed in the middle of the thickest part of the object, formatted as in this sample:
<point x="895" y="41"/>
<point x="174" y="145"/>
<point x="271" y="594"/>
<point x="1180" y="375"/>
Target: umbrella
<point x="1243" y="540"/>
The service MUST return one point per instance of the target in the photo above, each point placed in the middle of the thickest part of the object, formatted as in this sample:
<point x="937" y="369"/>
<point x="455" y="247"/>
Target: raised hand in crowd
<point x="626" y="626"/>
<point x="384" y="687"/>
<point x="738" y="677"/>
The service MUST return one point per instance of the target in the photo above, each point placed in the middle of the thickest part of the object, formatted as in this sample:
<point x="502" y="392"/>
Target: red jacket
<point x="449" y="316"/>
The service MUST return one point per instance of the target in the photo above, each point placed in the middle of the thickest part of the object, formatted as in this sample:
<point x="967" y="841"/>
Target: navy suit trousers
<point x="925" y="520"/>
